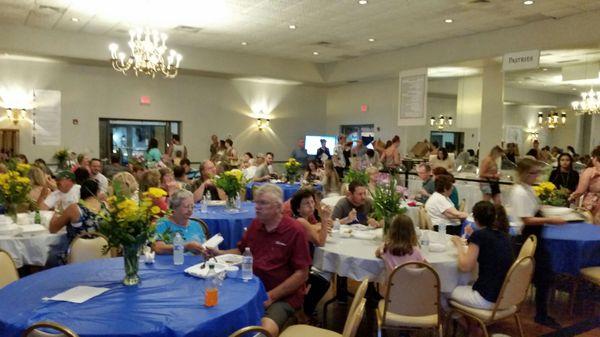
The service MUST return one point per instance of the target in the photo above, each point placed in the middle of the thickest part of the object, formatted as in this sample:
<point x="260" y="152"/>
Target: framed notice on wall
<point x="46" y="117"/>
<point x="412" y="97"/>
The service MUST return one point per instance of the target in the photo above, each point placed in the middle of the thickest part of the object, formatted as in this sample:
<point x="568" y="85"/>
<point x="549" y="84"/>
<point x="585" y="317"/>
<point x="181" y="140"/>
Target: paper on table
<point x="214" y="241"/>
<point x="78" y="294"/>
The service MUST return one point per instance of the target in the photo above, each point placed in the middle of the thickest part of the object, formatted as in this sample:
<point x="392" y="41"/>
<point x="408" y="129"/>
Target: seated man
<point x="66" y="194"/>
<point x="281" y="258"/>
<point x="428" y="187"/>
<point x="355" y="207"/>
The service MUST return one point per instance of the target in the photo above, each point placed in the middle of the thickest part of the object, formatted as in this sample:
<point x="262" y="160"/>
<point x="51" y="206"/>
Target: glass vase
<point x="387" y="223"/>
<point x="230" y="203"/>
<point x="11" y="211"/>
<point x="131" y="256"/>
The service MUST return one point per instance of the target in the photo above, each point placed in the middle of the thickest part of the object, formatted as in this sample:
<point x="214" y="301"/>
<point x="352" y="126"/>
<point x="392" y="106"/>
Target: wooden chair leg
<point x="518" y="319"/>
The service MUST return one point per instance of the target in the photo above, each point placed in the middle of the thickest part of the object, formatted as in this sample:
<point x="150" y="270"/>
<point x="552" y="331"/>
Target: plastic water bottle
<point x="247" y="265"/>
<point x="37" y="219"/>
<point x="238" y="201"/>
<point x="424" y="240"/>
<point x="211" y="287"/>
<point x="204" y="205"/>
<point x="336" y="224"/>
<point x="178" y="249"/>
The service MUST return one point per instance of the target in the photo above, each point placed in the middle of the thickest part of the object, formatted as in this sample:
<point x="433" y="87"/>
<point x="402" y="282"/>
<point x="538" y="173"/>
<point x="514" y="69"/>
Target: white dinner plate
<point x="364" y="235"/>
<point x="229" y="259"/>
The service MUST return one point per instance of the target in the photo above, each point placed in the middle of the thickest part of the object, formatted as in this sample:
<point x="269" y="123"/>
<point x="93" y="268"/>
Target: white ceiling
<point x="337" y="29"/>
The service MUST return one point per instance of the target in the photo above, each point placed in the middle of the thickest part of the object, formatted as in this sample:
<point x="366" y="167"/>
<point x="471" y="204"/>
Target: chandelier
<point x="552" y="119"/>
<point x="440" y="122"/>
<point x="589" y="104"/>
<point x="147" y="55"/>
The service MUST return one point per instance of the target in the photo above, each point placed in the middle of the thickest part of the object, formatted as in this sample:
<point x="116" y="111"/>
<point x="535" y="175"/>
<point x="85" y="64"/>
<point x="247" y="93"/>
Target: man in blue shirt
<point x="299" y="153"/>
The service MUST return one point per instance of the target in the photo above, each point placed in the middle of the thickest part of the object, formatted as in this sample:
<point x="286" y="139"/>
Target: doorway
<point x="448" y="140"/>
<point x="9" y="142"/>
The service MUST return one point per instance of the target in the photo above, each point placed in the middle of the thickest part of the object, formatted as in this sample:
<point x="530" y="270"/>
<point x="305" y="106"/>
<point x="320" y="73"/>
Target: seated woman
<point x="441" y="159"/>
<point x="440" y="207"/>
<point x="373" y="174"/>
<point x="564" y="175"/>
<point x="589" y="187"/>
<point x="312" y="174"/>
<point x="40" y="188"/>
<point x="331" y="180"/>
<point x="182" y="205"/>
<point x="490" y="248"/>
<point x="304" y="206"/>
<point x="205" y="185"/>
<point x="127" y="185"/>
<point x="440" y="171"/>
<point x="81" y="217"/>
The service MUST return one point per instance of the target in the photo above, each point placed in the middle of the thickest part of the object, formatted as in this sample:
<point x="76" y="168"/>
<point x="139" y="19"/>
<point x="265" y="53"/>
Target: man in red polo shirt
<point x="279" y="246"/>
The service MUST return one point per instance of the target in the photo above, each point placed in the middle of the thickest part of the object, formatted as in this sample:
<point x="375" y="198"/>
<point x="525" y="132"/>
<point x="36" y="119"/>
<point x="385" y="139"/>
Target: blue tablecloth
<point x="288" y="189"/>
<point x="167" y="302"/>
<point x="572" y="246"/>
<point x="230" y="225"/>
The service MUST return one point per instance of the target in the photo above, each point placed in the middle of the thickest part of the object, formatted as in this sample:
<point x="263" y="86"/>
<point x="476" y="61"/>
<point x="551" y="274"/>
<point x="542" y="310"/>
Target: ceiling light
<point x="544" y="69"/>
<point x="528" y="2"/>
<point x="315" y="53"/>
<point x="371" y="40"/>
<point x="75" y="19"/>
<point x="574" y="89"/>
<point x="292" y="27"/>
<point x="448" y="21"/>
<point x="244" y="43"/>
<point x="362" y="2"/>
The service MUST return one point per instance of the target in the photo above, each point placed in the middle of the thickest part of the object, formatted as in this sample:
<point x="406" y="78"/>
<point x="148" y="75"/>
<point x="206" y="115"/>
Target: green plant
<point x="386" y="200"/>
<point x="292" y="168"/>
<point x="358" y="176"/>
<point x="14" y="186"/>
<point x="232" y="182"/>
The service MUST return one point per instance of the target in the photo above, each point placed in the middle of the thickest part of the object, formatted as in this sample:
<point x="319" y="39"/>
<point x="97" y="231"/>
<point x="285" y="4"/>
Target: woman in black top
<point x="564" y="175"/>
<point x="489" y="247"/>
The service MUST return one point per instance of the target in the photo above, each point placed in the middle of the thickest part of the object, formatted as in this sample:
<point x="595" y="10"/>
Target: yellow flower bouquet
<point x="14" y="187"/>
<point x="550" y="195"/>
<point x="231" y="182"/>
<point x="129" y="224"/>
<point x="292" y="168"/>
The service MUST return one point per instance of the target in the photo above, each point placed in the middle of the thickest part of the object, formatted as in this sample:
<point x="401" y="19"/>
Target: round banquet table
<point x="355" y="258"/>
<point x="572" y="246"/>
<point x="167" y="302"/>
<point x="34" y="250"/>
<point x="288" y="189"/>
<point x="230" y="224"/>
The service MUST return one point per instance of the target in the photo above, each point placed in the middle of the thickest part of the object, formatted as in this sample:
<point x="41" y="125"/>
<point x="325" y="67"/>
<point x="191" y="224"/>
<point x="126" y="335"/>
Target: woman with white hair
<point x="182" y="204"/>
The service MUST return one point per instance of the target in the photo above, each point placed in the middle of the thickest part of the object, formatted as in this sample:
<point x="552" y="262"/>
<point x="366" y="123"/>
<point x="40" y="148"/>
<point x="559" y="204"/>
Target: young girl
<point x="400" y="244"/>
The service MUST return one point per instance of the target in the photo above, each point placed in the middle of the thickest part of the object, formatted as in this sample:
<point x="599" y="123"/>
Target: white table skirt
<point x="354" y="258"/>
<point x="33" y="250"/>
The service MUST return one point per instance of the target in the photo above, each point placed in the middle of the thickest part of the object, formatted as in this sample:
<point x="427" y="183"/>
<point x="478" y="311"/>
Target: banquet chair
<point x="512" y="294"/>
<point x="403" y="308"/>
<point x="350" y="328"/>
<point x="590" y="274"/>
<point x="359" y="294"/>
<point x="424" y="219"/>
<point x="251" y="331"/>
<point x="87" y="247"/>
<point x="462" y="204"/>
<point x="9" y="272"/>
<point x="528" y="248"/>
<point x="204" y="226"/>
<point x="62" y="331"/>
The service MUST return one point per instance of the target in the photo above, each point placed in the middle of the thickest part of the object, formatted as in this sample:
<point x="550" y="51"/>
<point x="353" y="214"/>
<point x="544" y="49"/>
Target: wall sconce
<point x="441" y="122"/>
<point x="16" y="115"/>
<point x="262" y="123"/>
<point x="533" y="133"/>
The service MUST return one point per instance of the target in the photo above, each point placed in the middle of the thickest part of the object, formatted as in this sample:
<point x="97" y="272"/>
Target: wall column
<point x="492" y="104"/>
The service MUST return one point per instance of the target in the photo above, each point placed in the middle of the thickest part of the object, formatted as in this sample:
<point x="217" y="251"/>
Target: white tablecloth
<point x="33" y="250"/>
<point x="354" y="258"/>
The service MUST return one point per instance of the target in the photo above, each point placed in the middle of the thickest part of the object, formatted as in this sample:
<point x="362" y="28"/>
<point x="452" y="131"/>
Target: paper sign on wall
<point x="412" y="97"/>
<point x="46" y="117"/>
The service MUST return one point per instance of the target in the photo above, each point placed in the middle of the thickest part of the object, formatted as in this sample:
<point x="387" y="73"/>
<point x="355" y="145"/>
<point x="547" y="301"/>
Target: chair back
<point x="9" y="272"/>
<point x="462" y="204"/>
<point x="247" y="331"/>
<point x="62" y="331"/>
<point x="354" y="319"/>
<point x="358" y="295"/>
<point x="401" y="296"/>
<point x="528" y="248"/>
<point x="424" y="219"/>
<point x="87" y="247"/>
<point x="516" y="283"/>
<point x="204" y="227"/>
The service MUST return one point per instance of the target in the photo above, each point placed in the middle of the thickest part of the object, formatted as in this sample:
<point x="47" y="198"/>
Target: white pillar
<point x="491" y="128"/>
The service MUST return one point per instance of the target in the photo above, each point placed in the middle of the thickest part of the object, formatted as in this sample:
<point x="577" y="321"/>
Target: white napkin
<point x="78" y="294"/>
<point x="437" y="247"/>
<point x="214" y="241"/>
<point x="198" y="271"/>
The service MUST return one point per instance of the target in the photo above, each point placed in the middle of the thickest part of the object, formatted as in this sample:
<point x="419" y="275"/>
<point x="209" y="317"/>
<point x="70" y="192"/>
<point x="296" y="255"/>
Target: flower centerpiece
<point x="550" y="195"/>
<point x="14" y="188"/>
<point x="231" y="182"/>
<point x="386" y="202"/>
<point x="61" y="157"/>
<point x="292" y="170"/>
<point x="128" y="224"/>
<point x="356" y="175"/>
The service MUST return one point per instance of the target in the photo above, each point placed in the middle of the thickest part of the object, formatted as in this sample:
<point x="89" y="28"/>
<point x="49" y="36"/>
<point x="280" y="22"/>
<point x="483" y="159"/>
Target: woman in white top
<point x="441" y="210"/>
<point x="526" y="209"/>
<point x="442" y="160"/>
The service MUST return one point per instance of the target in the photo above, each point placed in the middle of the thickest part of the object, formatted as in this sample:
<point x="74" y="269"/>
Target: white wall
<point x="204" y="105"/>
